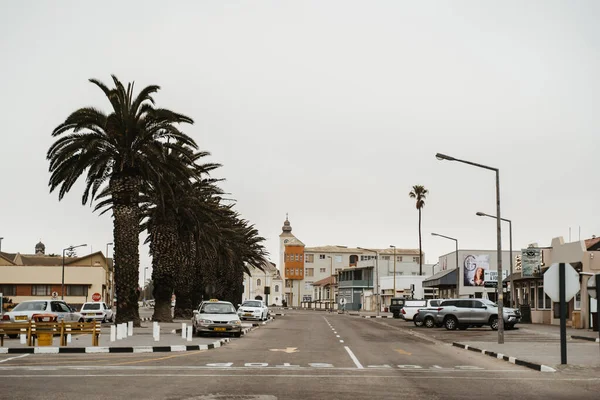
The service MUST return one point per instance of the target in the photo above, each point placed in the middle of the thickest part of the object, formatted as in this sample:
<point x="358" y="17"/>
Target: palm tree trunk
<point x="164" y="248"/>
<point x="420" y="247"/>
<point x="126" y="221"/>
<point x="184" y="283"/>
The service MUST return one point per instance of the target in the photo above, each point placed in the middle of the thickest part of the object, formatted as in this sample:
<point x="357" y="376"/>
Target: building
<point x="308" y="271"/>
<point x="37" y="276"/>
<point x="256" y="284"/>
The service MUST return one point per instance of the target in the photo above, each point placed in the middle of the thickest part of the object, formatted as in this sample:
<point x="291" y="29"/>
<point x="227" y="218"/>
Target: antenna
<point x="569" y="234"/>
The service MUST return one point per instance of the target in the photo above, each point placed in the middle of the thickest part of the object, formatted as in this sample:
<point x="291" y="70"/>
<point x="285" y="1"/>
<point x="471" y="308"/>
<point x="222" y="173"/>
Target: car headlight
<point x="235" y="322"/>
<point x="205" y="321"/>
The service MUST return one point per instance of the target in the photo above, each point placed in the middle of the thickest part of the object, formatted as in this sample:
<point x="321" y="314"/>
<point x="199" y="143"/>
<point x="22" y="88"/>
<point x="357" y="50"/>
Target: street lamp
<point x="1" y="243"/>
<point x="330" y="283"/>
<point x="376" y="275"/>
<point x="512" y="286"/>
<point x="394" y="247"/>
<point x="457" y="266"/>
<point x="62" y="286"/>
<point x="440" y="156"/>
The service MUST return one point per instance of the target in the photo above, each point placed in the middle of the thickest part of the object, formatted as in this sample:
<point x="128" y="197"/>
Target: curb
<point x="376" y="316"/>
<point x="106" y="349"/>
<point x="512" y="360"/>
<point x="590" y="339"/>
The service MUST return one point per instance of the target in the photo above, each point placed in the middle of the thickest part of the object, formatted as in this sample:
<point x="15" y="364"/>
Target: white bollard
<point x="189" y="333"/>
<point x="119" y="332"/>
<point x="69" y="338"/>
<point x="154" y="329"/>
<point x="124" y="330"/>
<point x="157" y="333"/>
<point x="113" y="333"/>
<point x="23" y="338"/>
<point x="130" y="328"/>
<point x="183" y="330"/>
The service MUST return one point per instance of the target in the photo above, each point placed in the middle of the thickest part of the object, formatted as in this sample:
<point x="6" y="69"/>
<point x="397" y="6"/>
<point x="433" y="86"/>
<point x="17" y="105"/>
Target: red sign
<point x="96" y="297"/>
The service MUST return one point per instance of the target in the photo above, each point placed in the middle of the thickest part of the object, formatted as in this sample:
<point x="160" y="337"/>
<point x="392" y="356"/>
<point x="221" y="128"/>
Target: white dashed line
<point x="341" y="341"/>
<point x="13" y="358"/>
<point x="353" y="357"/>
<point x="337" y="336"/>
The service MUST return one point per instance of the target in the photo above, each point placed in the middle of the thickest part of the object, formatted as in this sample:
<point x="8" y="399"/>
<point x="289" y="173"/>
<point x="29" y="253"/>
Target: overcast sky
<point x="328" y="110"/>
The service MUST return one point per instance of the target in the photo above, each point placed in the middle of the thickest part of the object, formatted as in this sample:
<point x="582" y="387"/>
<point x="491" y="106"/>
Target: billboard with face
<point x="474" y="267"/>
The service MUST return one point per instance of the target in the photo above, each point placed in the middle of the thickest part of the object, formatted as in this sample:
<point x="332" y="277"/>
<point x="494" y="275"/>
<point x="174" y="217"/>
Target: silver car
<point x="216" y="317"/>
<point x="25" y="310"/>
<point x="462" y="313"/>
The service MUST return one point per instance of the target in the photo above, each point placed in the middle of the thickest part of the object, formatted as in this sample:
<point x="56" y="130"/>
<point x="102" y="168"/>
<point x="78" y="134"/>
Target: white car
<point x="216" y="316"/>
<point x="25" y="310"/>
<point x="253" y="309"/>
<point x="97" y="310"/>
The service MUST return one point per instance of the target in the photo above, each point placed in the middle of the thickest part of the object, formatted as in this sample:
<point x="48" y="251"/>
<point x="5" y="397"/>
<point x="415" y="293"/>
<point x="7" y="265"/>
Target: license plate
<point x="248" y="314"/>
<point x="21" y="318"/>
<point x="91" y="314"/>
<point x="220" y="329"/>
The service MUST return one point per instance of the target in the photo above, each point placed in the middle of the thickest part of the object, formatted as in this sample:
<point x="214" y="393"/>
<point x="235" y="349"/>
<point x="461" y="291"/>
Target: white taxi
<point x="25" y="311"/>
<point x="216" y="316"/>
<point x="253" y="309"/>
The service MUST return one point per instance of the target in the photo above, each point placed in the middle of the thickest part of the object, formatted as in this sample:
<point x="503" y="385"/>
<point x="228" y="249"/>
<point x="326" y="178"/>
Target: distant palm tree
<point x="118" y="152"/>
<point x="419" y="193"/>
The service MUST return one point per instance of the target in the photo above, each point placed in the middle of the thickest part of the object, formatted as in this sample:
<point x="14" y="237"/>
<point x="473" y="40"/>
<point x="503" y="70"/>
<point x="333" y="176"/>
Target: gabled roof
<point x="37" y="260"/>
<point x="294" y="241"/>
<point x="325" y="282"/>
<point x="592" y="244"/>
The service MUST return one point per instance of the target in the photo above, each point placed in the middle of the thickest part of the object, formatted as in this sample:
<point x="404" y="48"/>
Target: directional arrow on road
<point x="287" y="350"/>
<point x="406" y="353"/>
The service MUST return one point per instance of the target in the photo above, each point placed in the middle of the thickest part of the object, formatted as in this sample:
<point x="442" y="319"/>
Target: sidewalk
<point x="540" y="347"/>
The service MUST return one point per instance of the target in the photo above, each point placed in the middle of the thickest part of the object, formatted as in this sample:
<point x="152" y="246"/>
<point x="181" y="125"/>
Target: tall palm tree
<point x="419" y="193"/>
<point x="118" y="152"/>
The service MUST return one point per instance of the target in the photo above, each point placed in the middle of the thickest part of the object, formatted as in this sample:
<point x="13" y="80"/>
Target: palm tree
<point x="419" y="193"/>
<point x="118" y="152"/>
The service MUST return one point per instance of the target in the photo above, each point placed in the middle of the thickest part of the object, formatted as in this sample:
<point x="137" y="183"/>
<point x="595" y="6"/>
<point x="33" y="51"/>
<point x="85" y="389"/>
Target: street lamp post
<point x="500" y="299"/>
<point x="1" y="243"/>
<point x="457" y="266"/>
<point x="62" y="286"/>
<point x="512" y="286"/>
<point x="376" y="276"/>
<point x="330" y="283"/>
<point x="394" y="247"/>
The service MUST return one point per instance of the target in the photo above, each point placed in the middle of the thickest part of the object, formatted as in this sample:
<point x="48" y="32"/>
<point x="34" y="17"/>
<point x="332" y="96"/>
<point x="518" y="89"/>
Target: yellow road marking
<point x="405" y="353"/>
<point x="191" y="353"/>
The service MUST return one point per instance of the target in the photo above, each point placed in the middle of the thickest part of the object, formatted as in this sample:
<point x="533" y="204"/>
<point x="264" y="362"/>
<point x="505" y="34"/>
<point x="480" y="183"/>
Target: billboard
<point x="530" y="261"/>
<point x="474" y="268"/>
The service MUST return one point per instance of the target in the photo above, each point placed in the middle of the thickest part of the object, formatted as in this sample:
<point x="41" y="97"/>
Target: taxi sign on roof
<point x="213" y="300"/>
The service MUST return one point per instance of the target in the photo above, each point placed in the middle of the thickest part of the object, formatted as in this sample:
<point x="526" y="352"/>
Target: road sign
<point x="96" y="297"/>
<point x="592" y="287"/>
<point x="342" y="301"/>
<point x="530" y="261"/>
<point x="55" y="295"/>
<point x="551" y="283"/>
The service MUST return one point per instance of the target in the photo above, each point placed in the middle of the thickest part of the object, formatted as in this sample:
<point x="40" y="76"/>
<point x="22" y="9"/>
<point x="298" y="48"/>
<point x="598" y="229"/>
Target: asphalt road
<point x="304" y="355"/>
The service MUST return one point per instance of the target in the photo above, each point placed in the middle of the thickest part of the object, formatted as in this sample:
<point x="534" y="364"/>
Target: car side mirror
<point x="195" y="312"/>
<point x="239" y="305"/>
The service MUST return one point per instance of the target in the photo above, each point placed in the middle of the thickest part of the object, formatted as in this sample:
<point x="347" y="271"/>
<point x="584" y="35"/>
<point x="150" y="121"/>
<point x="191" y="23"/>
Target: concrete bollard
<point x="189" y="333"/>
<point x="119" y="332"/>
<point x="130" y="328"/>
<point x="113" y="333"/>
<point x="183" y="330"/>
<point x="156" y="332"/>
<point x="69" y="337"/>
<point x="23" y="338"/>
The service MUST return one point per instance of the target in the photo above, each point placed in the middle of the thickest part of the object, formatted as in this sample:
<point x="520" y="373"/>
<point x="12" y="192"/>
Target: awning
<point x="443" y="278"/>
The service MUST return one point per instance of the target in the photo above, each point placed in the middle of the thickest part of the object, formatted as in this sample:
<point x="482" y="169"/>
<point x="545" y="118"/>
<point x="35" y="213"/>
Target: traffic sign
<point x="552" y="283"/>
<point x="55" y="295"/>
<point x="592" y="287"/>
<point x="96" y="297"/>
<point x="342" y="301"/>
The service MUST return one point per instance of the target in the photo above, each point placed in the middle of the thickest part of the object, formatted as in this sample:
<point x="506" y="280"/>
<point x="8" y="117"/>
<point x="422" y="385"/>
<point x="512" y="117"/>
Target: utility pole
<point x="394" y="247"/>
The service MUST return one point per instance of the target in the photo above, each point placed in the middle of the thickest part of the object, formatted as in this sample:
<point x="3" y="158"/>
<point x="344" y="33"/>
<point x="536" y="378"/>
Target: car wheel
<point x="429" y="322"/>
<point x="104" y="320"/>
<point x="451" y="323"/>
<point x="237" y="334"/>
<point x="510" y="326"/>
<point x="494" y="323"/>
<point x="418" y="323"/>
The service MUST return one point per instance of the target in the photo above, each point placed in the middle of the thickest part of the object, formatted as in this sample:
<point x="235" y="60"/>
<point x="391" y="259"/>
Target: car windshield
<point x="251" y="304"/>
<point x="31" y="306"/>
<point x="91" y="306"/>
<point x="217" y="308"/>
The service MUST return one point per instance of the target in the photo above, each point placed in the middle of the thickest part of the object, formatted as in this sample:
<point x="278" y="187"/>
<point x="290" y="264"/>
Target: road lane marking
<point x="287" y="350"/>
<point x="406" y="353"/>
<point x="341" y="341"/>
<point x="191" y="353"/>
<point x="353" y="357"/>
<point x="13" y="358"/>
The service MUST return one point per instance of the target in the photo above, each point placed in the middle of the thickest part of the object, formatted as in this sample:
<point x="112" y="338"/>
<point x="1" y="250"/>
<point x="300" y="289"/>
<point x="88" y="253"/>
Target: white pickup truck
<point x="411" y="307"/>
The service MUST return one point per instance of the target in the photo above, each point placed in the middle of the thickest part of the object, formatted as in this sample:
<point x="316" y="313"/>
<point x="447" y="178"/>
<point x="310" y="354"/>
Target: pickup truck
<point x="411" y="307"/>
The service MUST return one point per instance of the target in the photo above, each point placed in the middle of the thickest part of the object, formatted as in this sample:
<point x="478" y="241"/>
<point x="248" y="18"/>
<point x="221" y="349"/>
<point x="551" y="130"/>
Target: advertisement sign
<point x="530" y="261"/>
<point x="492" y="275"/>
<point x="474" y="269"/>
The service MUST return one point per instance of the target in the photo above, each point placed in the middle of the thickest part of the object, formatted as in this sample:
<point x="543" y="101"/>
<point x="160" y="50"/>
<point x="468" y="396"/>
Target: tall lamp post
<point x="457" y="266"/>
<point x="62" y="286"/>
<point x="330" y="283"/>
<point x="440" y="156"/>
<point x="376" y="276"/>
<point x="512" y="286"/>
<point x="1" y="243"/>
<point x="394" y="247"/>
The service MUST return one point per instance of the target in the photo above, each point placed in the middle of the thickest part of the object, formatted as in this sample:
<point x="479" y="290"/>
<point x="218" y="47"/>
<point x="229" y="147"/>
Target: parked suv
<point x="462" y="313"/>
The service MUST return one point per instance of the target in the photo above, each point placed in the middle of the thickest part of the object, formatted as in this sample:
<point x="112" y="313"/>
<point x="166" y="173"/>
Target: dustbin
<point x="44" y="336"/>
<point x="595" y="321"/>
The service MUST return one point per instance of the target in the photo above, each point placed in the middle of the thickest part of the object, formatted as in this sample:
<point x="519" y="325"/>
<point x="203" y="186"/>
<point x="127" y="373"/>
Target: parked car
<point x="396" y="304"/>
<point x="97" y="310"/>
<point x="253" y="309"/>
<point x="25" y="310"/>
<point x="216" y="316"/>
<point x="462" y="313"/>
<point x="426" y="315"/>
<point x="411" y="307"/>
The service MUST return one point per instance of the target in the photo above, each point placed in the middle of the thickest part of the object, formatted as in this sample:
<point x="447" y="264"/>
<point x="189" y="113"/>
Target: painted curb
<point x="512" y="360"/>
<point x="590" y="339"/>
<point x="376" y="316"/>
<point x="244" y="330"/>
<point x="105" y="349"/>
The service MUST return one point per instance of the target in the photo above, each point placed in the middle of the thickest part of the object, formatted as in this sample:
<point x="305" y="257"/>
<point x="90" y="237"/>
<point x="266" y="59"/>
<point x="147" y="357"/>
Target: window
<point x="400" y="273"/>
<point x="543" y="301"/>
<point x="337" y="270"/>
<point x="289" y="283"/>
<point x="41" y="290"/>
<point x="578" y="301"/>
<point x="338" y="259"/>
<point x="297" y="271"/>
<point x="91" y="306"/>
<point x="399" y="258"/>
<point x="309" y="258"/>
<point x="8" y="290"/>
<point x="416" y="259"/>
<point x="386" y="258"/>
<point x="58" y="306"/>
<point x="287" y="257"/>
<point x="301" y="257"/>
<point x="321" y="256"/>
<point x="276" y="288"/>
<point x="322" y="270"/>
<point x="296" y="257"/>
<point x="310" y="272"/>
<point x="77" y="290"/>
<point x="258" y="282"/>
<point x="532" y="296"/>
<point x="413" y="273"/>
<point x="287" y="272"/>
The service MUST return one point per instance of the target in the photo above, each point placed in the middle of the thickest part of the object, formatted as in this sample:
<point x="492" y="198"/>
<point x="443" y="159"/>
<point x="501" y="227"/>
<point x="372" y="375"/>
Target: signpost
<point x="530" y="261"/>
<point x="96" y="297"/>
